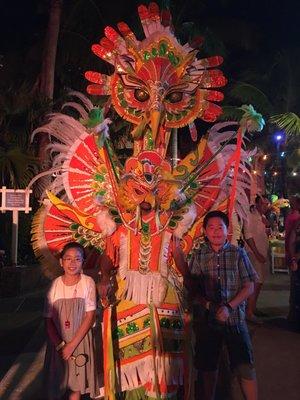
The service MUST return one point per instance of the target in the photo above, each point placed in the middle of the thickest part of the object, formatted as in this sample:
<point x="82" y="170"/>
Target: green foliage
<point x="247" y="93"/>
<point x="289" y="122"/>
<point x="21" y="111"/>
<point x="16" y="167"/>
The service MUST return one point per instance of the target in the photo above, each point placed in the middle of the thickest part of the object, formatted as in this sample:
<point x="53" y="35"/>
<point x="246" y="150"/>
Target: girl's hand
<point x="67" y="351"/>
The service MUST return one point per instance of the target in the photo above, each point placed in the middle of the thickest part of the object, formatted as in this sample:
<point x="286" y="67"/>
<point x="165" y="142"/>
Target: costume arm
<point x="179" y="258"/>
<point x="104" y="285"/>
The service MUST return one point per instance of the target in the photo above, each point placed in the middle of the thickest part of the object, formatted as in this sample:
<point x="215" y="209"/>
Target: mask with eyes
<point x="148" y="182"/>
<point x="158" y="84"/>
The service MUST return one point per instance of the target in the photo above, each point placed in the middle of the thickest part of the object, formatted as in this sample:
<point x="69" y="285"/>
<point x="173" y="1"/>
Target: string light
<point x="275" y="173"/>
<point x="265" y="156"/>
<point x="255" y="172"/>
<point x="294" y="173"/>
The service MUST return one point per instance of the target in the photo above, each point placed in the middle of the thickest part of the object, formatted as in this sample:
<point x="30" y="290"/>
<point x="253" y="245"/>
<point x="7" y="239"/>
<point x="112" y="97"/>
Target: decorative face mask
<point x="158" y="84"/>
<point x="148" y="180"/>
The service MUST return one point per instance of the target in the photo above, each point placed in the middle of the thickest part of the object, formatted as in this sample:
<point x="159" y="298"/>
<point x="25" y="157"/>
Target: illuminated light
<point x="265" y="156"/>
<point x="250" y="159"/>
<point x="244" y="171"/>
<point x="279" y="136"/>
<point x="265" y="173"/>
<point x="255" y="172"/>
<point x="275" y="173"/>
<point x="294" y="173"/>
<point x="282" y="154"/>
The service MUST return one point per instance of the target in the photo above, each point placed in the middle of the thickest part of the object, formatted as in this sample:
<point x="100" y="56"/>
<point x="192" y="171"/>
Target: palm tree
<point x="45" y="82"/>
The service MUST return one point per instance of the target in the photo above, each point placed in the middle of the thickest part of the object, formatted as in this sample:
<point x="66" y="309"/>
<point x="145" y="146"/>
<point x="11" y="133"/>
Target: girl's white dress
<point x="67" y="305"/>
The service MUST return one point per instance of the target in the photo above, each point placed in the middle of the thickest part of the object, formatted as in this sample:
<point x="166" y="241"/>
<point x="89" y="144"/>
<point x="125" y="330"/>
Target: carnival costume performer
<point x="135" y="213"/>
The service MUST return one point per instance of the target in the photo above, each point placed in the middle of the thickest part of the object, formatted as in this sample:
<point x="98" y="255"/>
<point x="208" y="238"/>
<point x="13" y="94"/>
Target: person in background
<point x="220" y="278"/>
<point x="290" y="220"/>
<point x="70" y="368"/>
<point x="237" y="230"/>
<point x="256" y="236"/>
<point x="292" y="242"/>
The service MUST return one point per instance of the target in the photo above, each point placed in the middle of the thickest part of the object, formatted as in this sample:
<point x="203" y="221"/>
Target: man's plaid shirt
<point x="221" y="276"/>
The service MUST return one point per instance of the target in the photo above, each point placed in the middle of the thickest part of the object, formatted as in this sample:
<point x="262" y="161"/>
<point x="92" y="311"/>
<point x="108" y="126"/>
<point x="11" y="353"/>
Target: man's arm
<point x="224" y="310"/>
<point x="252" y="245"/>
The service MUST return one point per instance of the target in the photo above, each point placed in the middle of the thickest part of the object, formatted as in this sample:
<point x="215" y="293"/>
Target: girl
<point x="70" y="314"/>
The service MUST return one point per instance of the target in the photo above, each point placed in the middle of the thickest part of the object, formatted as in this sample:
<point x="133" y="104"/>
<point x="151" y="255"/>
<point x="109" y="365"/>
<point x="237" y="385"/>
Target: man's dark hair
<point x="72" y="245"/>
<point x="215" y="214"/>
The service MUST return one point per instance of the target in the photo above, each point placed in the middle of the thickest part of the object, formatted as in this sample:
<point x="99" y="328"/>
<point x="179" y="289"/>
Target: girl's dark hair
<point x="72" y="245"/>
<point x="215" y="214"/>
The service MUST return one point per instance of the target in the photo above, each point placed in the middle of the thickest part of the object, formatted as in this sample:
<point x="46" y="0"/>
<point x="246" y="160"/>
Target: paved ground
<point x="276" y="347"/>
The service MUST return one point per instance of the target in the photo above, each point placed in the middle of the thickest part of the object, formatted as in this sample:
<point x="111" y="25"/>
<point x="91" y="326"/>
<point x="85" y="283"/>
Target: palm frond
<point x="17" y="167"/>
<point x="249" y="94"/>
<point x="289" y="122"/>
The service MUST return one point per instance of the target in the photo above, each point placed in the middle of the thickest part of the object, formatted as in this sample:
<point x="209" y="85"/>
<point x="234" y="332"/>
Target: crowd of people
<point x="223" y="279"/>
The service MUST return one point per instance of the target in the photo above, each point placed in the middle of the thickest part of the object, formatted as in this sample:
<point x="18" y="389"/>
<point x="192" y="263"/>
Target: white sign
<point x="15" y="199"/>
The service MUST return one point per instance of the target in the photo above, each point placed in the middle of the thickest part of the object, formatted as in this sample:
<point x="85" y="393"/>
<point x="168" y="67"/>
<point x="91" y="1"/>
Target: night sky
<point x="23" y="21"/>
<point x="274" y="25"/>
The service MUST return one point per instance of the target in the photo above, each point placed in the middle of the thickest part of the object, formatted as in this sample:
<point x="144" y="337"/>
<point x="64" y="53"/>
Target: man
<point x="255" y="234"/>
<point x="226" y="279"/>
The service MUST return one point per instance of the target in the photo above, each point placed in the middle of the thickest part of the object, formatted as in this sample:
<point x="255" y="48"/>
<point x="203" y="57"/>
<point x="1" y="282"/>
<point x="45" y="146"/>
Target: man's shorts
<point x="210" y="341"/>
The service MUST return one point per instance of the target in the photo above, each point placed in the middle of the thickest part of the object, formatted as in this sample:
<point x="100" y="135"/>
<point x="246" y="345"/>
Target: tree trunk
<point x="46" y="83"/>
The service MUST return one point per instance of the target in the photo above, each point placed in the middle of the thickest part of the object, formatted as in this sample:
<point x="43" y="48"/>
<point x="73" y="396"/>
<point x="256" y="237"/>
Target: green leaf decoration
<point x="251" y="120"/>
<point x="94" y="119"/>
<point x="136" y="394"/>
<point x="113" y="211"/>
<point x="172" y="224"/>
<point x="74" y="227"/>
<point x="99" y="177"/>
